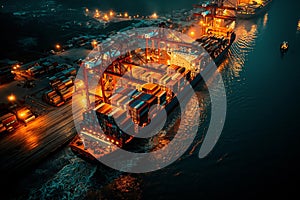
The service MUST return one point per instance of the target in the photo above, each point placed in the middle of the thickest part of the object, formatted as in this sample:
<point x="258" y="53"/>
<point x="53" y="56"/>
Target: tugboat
<point x="284" y="47"/>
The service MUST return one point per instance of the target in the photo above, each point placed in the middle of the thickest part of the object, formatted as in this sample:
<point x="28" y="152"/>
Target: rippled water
<point x="257" y="152"/>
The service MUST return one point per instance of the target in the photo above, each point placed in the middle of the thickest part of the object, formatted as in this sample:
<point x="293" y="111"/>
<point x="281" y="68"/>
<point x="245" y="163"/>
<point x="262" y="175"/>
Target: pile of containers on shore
<point x="61" y="87"/>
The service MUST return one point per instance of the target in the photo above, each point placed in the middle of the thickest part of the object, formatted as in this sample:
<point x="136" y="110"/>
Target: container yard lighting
<point x="17" y="66"/>
<point x="94" y="43"/>
<point x="97" y="15"/>
<point x="111" y="13"/>
<point x="57" y="46"/>
<point x="21" y="115"/>
<point x="154" y="16"/>
<point x="11" y="98"/>
<point x="106" y="17"/>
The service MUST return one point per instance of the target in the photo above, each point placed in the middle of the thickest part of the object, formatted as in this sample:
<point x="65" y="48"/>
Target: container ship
<point x="131" y="100"/>
<point x="247" y="9"/>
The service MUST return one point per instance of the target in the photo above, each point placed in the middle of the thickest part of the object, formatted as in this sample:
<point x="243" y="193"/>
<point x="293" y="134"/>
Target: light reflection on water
<point x="266" y="19"/>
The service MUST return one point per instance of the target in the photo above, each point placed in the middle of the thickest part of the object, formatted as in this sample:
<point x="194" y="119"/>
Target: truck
<point x="9" y="122"/>
<point x="25" y="115"/>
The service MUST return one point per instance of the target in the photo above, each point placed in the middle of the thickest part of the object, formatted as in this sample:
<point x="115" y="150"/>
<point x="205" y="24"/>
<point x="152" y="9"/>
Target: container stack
<point x="36" y="71"/>
<point x="161" y="97"/>
<point x="66" y="93"/>
<point x="214" y="45"/>
<point x="62" y="90"/>
<point x="109" y="117"/>
<point x="138" y="111"/>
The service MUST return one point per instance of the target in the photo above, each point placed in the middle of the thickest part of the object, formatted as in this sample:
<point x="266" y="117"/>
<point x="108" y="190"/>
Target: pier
<point x="30" y="144"/>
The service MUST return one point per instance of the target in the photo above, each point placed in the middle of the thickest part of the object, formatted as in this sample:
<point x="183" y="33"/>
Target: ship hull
<point x="258" y="12"/>
<point x="81" y="152"/>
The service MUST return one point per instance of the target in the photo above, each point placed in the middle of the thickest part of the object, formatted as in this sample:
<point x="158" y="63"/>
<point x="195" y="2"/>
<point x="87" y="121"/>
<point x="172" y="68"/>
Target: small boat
<point x="284" y="47"/>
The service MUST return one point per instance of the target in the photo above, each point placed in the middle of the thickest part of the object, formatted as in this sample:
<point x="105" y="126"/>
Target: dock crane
<point x="217" y="10"/>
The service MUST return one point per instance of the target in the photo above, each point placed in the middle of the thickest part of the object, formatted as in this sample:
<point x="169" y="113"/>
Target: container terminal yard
<point x="40" y="96"/>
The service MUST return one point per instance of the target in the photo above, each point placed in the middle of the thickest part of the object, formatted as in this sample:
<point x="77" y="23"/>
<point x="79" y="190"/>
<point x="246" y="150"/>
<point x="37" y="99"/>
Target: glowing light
<point x="259" y="2"/>
<point x="57" y="46"/>
<point x="111" y="13"/>
<point x="106" y="17"/>
<point x="117" y="143"/>
<point x="94" y="43"/>
<point x="154" y="16"/>
<point x="265" y="19"/>
<point x="11" y="97"/>
<point x="22" y="115"/>
<point x="86" y="10"/>
<point x="126" y="14"/>
<point x="298" y="25"/>
<point x="192" y="33"/>
<point x="97" y="15"/>
<point x="112" y="141"/>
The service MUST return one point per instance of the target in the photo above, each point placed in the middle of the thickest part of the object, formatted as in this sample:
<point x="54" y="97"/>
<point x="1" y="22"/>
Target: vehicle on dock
<point x="8" y="122"/>
<point x="25" y="115"/>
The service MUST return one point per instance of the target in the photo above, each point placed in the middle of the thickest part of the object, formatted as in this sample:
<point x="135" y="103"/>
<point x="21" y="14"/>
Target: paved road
<point x="28" y="145"/>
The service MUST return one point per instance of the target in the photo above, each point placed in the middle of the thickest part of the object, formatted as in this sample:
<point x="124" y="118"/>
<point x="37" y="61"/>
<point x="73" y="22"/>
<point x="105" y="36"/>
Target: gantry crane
<point x="113" y="67"/>
<point x="217" y="10"/>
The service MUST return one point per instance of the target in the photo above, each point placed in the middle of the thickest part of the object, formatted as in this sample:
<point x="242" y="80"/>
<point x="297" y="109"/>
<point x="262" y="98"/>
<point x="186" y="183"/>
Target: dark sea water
<point x="257" y="154"/>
